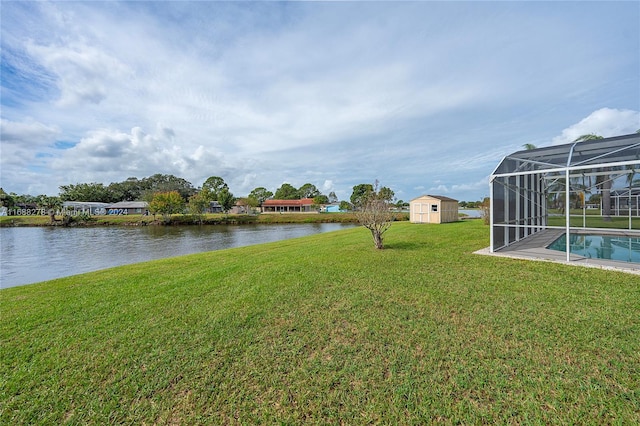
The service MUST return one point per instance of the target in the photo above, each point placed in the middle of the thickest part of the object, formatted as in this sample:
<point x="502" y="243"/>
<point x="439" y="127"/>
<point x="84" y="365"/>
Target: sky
<point x="424" y="97"/>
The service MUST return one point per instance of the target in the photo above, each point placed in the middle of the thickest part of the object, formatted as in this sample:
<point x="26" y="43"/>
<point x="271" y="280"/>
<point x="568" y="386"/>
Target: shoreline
<point x="189" y="220"/>
<point x="180" y="220"/>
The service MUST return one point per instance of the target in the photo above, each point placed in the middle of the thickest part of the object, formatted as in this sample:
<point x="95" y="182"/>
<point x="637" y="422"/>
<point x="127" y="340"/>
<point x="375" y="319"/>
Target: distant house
<point x="288" y="206"/>
<point x="433" y="209"/>
<point x="333" y="208"/>
<point x="240" y="207"/>
<point x="214" y="207"/>
<point x="89" y="207"/>
<point x="625" y="202"/>
<point x="128" y="207"/>
<point x="25" y="206"/>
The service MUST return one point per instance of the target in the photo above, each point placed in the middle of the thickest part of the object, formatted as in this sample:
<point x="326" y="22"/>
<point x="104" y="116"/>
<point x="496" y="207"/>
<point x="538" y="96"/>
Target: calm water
<point x="470" y="212"/>
<point x="620" y="248"/>
<point x="30" y="255"/>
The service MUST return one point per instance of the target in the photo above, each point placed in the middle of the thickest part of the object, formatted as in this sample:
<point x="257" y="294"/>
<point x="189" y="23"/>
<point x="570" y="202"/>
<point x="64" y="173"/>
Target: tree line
<point x="167" y="195"/>
<point x="214" y="189"/>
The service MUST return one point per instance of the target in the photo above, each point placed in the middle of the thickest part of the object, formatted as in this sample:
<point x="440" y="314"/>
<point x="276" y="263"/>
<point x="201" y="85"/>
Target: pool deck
<point x="534" y="248"/>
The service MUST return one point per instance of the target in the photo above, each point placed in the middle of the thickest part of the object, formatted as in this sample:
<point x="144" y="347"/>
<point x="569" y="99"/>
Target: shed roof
<point x="437" y="197"/>
<point x="290" y="203"/>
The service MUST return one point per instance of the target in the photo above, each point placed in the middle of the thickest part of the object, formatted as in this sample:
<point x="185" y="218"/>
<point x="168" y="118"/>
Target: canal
<point x="35" y="254"/>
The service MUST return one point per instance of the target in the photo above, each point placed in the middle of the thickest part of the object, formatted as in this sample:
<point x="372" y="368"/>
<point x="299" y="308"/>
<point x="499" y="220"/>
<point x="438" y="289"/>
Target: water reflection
<point x="470" y="213"/>
<point x="37" y="254"/>
<point x="609" y="247"/>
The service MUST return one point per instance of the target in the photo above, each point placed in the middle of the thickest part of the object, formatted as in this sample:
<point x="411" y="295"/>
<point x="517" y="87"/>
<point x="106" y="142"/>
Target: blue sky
<point x="426" y="97"/>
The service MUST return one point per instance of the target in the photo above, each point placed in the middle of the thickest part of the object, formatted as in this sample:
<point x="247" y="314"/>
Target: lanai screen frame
<point x="520" y="184"/>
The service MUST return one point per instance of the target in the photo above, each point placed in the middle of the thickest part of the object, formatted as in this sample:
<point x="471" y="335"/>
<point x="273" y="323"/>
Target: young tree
<point x="320" y="199"/>
<point x="361" y="193"/>
<point x="51" y="204"/>
<point x="375" y="213"/>
<point x="308" y="191"/>
<point x="166" y="204"/>
<point x="226" y="200"/>
<point x="345" y="206"/>
<point x="167" y="183"/>
<point x="485" y="210"/>
<point x="198" y="206"/>
<point x="386" y="194"/>
<point x="247" y="203"/>
<point x="260" y="194"/>
<point x="24" y="198"/>
<point x="212" y="187"/>
<point x="286" y="192"/>
<point x="87" y="192"/>
<point x="6" y="200"/>
<point x="128" y="190"/>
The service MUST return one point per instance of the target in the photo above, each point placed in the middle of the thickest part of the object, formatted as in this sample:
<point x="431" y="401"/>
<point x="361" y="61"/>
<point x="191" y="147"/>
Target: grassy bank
<point x="327" y="330"/>
<point x="614" y="222"/>
<point x="180" y="219"/>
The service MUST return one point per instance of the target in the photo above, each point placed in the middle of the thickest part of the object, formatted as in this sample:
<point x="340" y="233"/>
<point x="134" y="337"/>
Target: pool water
<point x="611" y="247"/>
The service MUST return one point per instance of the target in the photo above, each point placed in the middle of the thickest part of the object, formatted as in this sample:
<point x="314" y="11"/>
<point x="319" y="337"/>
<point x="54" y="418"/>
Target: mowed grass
<point x="186" y="219"/>
<point x="327" y="330"/>
<point x="614" y="222"/>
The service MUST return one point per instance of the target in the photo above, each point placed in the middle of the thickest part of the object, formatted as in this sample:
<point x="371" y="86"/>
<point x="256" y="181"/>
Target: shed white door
<point x="422" y="212"/>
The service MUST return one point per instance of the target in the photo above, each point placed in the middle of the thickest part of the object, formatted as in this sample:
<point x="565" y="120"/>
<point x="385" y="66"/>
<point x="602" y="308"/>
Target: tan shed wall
<point x="449" y="211"/>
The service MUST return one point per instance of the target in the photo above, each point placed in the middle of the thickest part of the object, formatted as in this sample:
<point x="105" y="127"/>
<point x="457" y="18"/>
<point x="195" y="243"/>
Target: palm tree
<point x="632" y="174"/>
<point x="51" y="204"/>
<point x="602" y="181"/>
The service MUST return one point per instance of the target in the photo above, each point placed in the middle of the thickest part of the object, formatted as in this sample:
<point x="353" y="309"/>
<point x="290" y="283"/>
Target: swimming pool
<point x="611" y="247"/>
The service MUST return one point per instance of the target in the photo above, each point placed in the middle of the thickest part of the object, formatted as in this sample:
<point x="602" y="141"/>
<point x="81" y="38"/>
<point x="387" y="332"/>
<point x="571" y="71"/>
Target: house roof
<point x="289" y="203"/>
<point x="624" y="192"/>
<point x="437" y="197"/>
<point x="129" y="205"/>
<point x="84" y="204"/>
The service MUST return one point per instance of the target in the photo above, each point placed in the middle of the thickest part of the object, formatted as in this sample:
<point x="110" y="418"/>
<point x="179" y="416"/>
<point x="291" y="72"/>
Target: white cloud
<point x="84" y="72"/>
<point x="113" y="154"/>
<point x="481" y="186"/>
<point x="605" y="122"/>
<point x="27" y="148"/>
<point x="28" y="134"/>
<point x="440" y="189"/>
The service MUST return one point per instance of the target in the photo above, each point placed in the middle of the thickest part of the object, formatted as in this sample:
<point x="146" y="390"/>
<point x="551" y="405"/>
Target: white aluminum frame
<point x="530" y="203"/>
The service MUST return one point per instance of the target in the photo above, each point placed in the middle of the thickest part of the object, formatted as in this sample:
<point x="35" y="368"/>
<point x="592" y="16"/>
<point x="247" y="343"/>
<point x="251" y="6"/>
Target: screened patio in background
<point x="588" y="185"/>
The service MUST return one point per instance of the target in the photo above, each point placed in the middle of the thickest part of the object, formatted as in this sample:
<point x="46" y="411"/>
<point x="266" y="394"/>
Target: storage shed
<point x="433" y="209"/>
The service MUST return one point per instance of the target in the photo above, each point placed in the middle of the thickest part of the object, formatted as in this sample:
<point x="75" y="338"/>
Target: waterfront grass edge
<point x="326" y="329"/>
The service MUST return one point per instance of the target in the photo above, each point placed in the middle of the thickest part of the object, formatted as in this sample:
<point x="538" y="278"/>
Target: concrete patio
<point x="534" y="248"/>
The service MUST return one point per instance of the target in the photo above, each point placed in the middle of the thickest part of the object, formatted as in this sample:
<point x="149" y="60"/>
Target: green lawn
<point x="109" y="220"/>
<point x="590" y="221"/>
<point x="185" y="219"/>
<point x="327" y="330"/>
